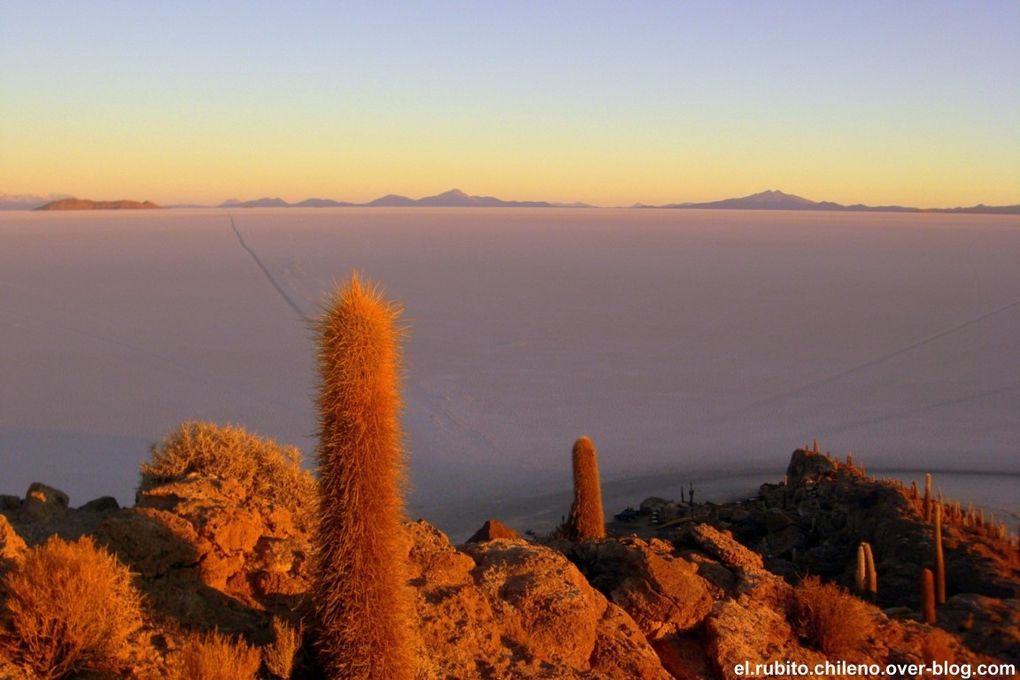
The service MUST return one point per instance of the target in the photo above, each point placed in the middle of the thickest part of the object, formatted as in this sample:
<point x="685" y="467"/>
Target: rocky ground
<point x="704" y="588"/>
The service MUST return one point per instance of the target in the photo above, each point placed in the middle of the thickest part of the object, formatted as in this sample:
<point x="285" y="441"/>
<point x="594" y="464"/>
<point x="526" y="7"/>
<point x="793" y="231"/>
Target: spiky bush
<point x="268" y="471"/>
<point x="586" y="519"/>
<point x="363" y="602"/>
<point x="830" y="618"/>
<point x="215" y="656"/>
<point x="279" y="654"/>
<point x="70" y="607"/>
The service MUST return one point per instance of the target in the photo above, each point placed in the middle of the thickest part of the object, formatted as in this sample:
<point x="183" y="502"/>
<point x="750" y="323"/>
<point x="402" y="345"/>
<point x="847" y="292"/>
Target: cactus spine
<point x="586" y="519"/>
<point x="928" y="596"/>
<point x="362" y="600"/>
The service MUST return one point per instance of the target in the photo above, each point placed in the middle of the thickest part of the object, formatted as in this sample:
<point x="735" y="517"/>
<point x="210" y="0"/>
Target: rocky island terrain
<point x="702" y="589"/>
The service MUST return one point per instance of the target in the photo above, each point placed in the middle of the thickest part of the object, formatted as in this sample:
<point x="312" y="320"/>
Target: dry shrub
<point x="268" y="471"/>
<point x="279" y="655"/>
<point x="70" y="607"/>
<point x="829" y="617"/>
<point x="216" y="657"/>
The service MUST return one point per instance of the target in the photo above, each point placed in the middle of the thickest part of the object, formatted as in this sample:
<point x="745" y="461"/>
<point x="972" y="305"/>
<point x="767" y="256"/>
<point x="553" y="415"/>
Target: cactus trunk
<point x="362" y="599"/>
<point x="940" y="563"/>
<point x="928" y="596"/>
<point x="586" y="519"/>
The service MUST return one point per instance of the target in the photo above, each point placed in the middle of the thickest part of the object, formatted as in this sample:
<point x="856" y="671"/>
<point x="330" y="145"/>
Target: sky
<point x="604" y="102"/>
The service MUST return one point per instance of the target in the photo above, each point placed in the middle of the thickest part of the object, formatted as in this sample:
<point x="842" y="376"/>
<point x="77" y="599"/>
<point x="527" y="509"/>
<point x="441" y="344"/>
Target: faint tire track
<point x="265" y="272"/>
<point x="814" y="384"/>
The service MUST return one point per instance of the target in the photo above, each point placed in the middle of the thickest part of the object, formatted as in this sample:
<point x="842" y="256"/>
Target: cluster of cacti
<point x="586" y="519"/>
<point x="362" y="599"/>
<point x="866" y="576"/>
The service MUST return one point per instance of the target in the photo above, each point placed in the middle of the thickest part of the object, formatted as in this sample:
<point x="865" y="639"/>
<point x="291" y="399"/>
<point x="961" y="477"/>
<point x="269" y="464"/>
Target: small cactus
<point x="586" y="518"/>
<point x="940" y="563"/>
<point x="927" y="497"/>
<point x="861" y="580"/>
<point x="869" y="562"/>
<point x="928" y="596"/>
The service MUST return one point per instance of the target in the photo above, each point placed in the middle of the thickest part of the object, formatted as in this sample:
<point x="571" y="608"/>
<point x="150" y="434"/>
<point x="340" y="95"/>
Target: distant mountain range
<point x="454" y="198"/>
<point x="86" y="204"/>
<point x="777" y="200"/>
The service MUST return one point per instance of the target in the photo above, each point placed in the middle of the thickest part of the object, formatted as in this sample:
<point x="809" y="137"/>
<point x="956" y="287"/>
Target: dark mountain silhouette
<point x="777" y="200"/>
<point x="257" y="203"/>
<point x="321" y="203"/>
<point x="86" y="204"/>
<point x="391" y="201"/>
<point x="454" y="198"/>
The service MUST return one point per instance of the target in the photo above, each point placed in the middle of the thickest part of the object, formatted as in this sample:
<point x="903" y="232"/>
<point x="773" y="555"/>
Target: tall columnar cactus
<point x="586" y="519"/>
<point x="928" y="596"/>
<point x="927" y="497"/>
<point x="872" y="573"/>
<point x="361" y="595"/>
<point x="861" y="579"/>
<point x="940" y="563"/>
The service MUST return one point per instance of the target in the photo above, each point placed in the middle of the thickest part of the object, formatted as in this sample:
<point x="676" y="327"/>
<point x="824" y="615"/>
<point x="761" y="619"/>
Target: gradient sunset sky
<point x="605" y="102"/>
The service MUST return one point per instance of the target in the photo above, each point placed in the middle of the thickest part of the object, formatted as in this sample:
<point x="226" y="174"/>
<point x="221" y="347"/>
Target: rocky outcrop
<point x="491" y="530"/>
<point x="12" y="546"/>
<point x="511" y="609"/>
<point x="663" y="593"/>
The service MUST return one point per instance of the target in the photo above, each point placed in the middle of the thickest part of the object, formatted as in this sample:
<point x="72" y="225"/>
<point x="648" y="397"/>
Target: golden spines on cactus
<point x="586" y="518"/>
<point x="361" y="595"/>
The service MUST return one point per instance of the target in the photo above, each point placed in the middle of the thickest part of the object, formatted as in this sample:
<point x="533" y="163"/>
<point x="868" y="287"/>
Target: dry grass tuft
<point x="70" y="607"/>
<point x="363" y="602"/>
<point x="586" y="518"/>
<point x="830" y="618"/>
<point x="216" y="657"/>
<point x="279" y="655"/>
<point x="268" y="471"/>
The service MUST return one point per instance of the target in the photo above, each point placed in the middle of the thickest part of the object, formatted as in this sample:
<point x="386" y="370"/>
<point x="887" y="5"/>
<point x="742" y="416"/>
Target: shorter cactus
<point x="869" y="563"/>
<point x="927" y="497"/>
<point x="940" y="563"/>
<point x="928" y="596"/>
<point x="861" y="580"/>
<point x="586" y="518"/>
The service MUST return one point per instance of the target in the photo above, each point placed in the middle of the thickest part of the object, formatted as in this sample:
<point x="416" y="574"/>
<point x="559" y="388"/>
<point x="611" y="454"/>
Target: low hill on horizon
<point x="87" y="204"/>
<point x="778" y="200"/>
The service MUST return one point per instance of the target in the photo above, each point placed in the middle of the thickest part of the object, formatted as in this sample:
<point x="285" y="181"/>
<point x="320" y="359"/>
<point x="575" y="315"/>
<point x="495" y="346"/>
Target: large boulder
<point x="511" y="609"/>
<point x="663" y="593"/>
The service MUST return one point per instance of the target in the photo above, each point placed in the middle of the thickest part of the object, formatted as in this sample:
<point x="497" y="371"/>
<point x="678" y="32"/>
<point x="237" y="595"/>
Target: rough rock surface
<point x="663" y="593"/>
<point x="512" y="609"/>
<point x="491" y="530"/>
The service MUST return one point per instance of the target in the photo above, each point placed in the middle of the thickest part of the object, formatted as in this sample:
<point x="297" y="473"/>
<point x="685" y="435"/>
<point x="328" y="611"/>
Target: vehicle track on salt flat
<point x="871" y="363"/>
<point x="265" y="272"/>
